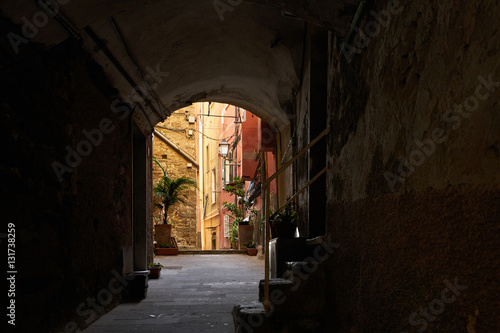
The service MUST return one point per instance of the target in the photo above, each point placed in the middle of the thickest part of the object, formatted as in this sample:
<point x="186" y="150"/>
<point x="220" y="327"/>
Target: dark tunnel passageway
<point x="410" y="182"/>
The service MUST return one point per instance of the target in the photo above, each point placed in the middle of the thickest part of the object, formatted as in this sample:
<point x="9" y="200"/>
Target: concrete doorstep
<point x="228" y="251"/>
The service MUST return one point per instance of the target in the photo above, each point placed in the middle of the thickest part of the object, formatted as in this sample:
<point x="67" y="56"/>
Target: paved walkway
<point x="195" y="293"/>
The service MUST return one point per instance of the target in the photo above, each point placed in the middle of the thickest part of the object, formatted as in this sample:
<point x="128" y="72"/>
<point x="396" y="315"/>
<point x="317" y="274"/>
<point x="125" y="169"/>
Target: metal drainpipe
<point x="137" y="67"/>
<point x="102" y="46"/>
<point x="201" y="172"/>
<point x="355" y="22"/>
<point x="65" y="23"/>
<point x="236" y="114"/>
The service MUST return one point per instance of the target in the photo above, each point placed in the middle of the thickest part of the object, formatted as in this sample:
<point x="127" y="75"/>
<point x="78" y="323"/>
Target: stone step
<point x="300" y="269"/>
<point x="297" y="302"/>
<point x="250" y="318"/>
<point x="277" y="286"/>
<point x="228" y="251"/>
<point x="300" y="291"/>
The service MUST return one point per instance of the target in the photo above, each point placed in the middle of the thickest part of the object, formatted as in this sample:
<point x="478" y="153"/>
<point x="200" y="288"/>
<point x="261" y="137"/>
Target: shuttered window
<point x="226" y="225"/>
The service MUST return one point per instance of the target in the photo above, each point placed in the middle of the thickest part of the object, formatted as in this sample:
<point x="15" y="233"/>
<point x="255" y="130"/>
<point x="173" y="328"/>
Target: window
<point x="224" y="173"/>
<point x="230" y="173"/>
<point x="227" y="171"/>
<point x="226" y="225"/>
<point x="213" y="186"/>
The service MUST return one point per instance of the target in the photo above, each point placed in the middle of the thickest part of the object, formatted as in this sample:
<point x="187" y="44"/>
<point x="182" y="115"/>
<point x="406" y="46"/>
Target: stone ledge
<point x="212" y="251"/>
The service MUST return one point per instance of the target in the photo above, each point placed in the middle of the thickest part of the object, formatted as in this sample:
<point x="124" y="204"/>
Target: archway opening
<point x="188" y="144"/>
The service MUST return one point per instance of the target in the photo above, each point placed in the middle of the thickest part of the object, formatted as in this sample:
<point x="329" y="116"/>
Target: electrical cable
<point x="186" y="129"/>
<point x="132" y="110"/>
<point x="153" y="94"/>
<point x="147" y="117"/>
<point x="102" y="46"/>
<point x="295" y="93"/>
<point x="63" y="21"/>
<point x="303" y="61"/>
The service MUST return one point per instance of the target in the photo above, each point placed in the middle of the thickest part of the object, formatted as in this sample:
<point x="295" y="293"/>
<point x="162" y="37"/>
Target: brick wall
<point x="176" y="129"/>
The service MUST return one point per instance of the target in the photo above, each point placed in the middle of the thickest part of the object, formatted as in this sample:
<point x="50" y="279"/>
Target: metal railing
<point x="267" y="199"/>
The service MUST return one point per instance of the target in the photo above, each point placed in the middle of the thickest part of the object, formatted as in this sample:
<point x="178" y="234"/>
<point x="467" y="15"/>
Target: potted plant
<point x="238" y="209"/>
<point x="169" y="192"/>
<point x="233" y="235"/>
<point x="251" y="248"/>
<point x="154" y="270"/>
<point x="167" y="249"/>
<point x="284" y="222"/>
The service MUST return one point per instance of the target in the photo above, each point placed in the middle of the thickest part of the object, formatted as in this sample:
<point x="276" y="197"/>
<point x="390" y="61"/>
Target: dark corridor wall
<point x="414" y="183"/>
<point x="71" y="228"/>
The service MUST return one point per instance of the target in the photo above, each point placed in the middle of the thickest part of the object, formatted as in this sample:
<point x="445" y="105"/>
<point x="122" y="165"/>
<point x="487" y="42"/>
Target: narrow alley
<point x="195" y="293"/>
<point x="352" y="144"/>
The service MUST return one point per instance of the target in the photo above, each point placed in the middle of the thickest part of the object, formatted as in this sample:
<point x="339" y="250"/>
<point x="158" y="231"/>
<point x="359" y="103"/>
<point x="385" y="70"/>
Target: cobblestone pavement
<point x="195" y="293"/>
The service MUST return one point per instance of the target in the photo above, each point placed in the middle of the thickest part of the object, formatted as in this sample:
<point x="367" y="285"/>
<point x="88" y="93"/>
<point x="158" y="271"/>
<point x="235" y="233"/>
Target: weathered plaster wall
<point x="247" y="57"/>
<point x="300" y="140"/>
<point x="310" y="121"/>
<point x="176" y="128"/>
<point x="404" y="230"/>
<point x="69" y="233"/>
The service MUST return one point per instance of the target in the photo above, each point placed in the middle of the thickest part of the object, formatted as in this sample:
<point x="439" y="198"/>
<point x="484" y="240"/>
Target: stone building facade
<point x="179" y="129"/>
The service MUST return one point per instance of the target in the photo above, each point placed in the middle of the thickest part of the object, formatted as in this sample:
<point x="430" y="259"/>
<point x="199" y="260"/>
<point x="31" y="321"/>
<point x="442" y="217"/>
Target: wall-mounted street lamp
<point x="223" y="148"/>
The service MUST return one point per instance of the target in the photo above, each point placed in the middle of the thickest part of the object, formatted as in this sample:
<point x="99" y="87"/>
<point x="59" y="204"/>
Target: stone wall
<point x="72" y="222"/>
<point x="413" y="191"/>
<point x="176" y="128"/>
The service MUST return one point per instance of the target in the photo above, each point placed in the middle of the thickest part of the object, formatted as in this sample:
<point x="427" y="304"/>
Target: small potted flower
<point x="154" y="270"/>
<point x="284" y="222"/>
<point x="251" y="248"/>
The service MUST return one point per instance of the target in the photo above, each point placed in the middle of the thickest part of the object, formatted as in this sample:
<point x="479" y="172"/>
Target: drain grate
<point x="172" y="267"/>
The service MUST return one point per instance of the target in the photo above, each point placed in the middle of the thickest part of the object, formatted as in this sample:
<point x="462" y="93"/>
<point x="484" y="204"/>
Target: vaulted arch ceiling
<point x="247" y="53"/>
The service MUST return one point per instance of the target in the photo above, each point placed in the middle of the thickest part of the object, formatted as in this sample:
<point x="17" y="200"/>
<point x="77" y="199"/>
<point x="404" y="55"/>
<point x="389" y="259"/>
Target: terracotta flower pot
<point x="169" y="251"/>
<point x="154" y="272"/>
<point x="252" y="251"/>
<point x="163" y="233"/>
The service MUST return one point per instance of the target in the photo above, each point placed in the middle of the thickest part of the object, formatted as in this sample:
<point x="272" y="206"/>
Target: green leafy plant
<point x="287" y="215"/>
<point x="171" y="191"/>
<point x="157" y="218"/>
<point x="166" y="246"/>
<point x="233" y="234"/>
<point x="250" y="244"/>
<point x="238" y="210"/>
<point x="284" y="222"/>
<point x="155" y="265"/>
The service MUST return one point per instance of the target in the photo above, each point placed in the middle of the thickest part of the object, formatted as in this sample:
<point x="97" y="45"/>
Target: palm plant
<point x="171" y="191"/>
